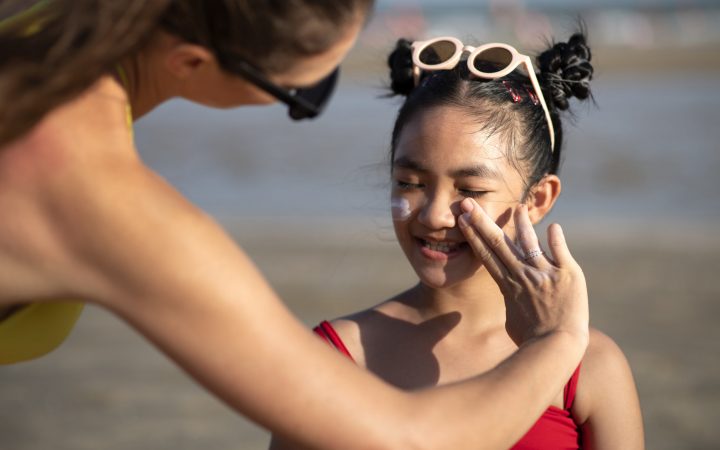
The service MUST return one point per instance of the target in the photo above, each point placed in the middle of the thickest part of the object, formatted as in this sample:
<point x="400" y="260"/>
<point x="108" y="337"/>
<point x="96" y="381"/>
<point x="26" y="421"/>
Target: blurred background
<point x="309" y="202"/>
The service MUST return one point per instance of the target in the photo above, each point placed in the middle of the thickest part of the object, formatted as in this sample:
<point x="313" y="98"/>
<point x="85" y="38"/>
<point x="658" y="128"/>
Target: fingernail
<point x="464" y="220"/>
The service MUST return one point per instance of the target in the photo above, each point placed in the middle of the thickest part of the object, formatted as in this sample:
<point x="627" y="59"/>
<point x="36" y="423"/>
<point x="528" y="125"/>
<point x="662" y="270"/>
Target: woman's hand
<point x="542" y="294"/>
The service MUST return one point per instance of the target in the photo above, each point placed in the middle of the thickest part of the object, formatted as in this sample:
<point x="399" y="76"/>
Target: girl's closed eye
<point x="472" y="193"/>
<point x="406" y="185"/>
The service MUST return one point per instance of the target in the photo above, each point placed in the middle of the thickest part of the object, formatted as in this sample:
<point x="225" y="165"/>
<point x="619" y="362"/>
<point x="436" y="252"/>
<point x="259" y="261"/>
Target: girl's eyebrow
<point x="404" y="162"/>
<point x="481" y="170"/>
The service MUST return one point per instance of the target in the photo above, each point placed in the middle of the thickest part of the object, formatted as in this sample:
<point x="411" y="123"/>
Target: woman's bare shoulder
<point x="92" y="126"/>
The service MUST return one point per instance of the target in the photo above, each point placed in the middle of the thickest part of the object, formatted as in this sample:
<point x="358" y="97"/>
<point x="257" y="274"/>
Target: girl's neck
<point x="478" y="300"/>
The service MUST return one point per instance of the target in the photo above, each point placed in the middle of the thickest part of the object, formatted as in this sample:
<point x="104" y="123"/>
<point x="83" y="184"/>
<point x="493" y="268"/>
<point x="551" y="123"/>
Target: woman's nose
<point x="439" y="212"/>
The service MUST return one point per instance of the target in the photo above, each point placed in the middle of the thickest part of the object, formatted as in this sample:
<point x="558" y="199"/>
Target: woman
<point x="85" y="219"/>
<point x="469" y="131"/>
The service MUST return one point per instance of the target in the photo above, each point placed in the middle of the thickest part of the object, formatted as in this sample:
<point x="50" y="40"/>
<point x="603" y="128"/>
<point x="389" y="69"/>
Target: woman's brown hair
<point x="52" y="50"/>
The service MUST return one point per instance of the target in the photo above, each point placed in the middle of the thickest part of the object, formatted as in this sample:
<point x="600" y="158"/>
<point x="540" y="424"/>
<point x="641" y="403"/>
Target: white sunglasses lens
<point x="437" y="52"/>
<point x="492" y="60"/>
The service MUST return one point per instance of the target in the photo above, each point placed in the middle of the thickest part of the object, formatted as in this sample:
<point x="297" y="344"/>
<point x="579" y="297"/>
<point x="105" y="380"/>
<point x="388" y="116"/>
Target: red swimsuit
<point x="554" y="430"/>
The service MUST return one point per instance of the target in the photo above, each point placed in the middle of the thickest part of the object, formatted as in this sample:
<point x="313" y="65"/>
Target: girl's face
<point x="441" y="158"/>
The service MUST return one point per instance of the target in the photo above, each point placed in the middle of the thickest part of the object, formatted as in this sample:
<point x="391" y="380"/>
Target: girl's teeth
<point x="444" y="247"/>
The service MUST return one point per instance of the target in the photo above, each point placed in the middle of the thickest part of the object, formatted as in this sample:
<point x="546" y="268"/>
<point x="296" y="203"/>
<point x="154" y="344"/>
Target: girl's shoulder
<point x="601" y="349"/>
<point x="360" y="329"/>
<point x="347" y="330"/>
<point x="604" y="372"/>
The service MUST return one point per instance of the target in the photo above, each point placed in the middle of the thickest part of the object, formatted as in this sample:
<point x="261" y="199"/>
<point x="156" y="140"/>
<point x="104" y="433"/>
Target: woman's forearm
<point x="491" y="411"/>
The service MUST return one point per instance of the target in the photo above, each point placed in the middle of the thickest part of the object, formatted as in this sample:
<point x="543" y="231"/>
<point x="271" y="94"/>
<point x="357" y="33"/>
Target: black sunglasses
<point x="305" y="103"/>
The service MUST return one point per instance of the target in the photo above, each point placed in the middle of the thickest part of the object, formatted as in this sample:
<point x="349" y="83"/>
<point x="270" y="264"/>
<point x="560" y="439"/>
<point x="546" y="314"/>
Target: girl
<point x="474" y="129"/>
<point x="84" y="219"/>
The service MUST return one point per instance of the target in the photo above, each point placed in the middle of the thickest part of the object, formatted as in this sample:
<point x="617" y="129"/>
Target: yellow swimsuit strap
<point x="126" y="84"/>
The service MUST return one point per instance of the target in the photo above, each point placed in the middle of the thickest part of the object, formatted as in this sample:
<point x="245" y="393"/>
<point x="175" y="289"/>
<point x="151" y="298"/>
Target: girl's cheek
<point x="494" y="209"/>
<point x="400" y="208"/>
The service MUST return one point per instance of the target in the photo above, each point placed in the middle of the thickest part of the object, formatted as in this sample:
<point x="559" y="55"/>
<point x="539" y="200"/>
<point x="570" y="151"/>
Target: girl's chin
<point x="447" y="275"/>
<point x="445" y="272"/>
<point x="441" y="281"/>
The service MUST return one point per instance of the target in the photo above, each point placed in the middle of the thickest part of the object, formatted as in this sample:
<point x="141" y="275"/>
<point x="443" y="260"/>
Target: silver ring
<point x="533" y="254"/>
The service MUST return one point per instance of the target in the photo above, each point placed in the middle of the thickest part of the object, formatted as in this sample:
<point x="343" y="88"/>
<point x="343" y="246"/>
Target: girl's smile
<point x="441" y="250"/>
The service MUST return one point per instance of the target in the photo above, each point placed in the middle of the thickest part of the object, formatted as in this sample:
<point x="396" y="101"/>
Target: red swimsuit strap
<point x="327" y="332"/>
<point x="571" y="388"/>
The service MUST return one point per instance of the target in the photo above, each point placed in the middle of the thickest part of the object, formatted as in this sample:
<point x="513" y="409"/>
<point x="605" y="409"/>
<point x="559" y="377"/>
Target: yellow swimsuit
<point x="36" y="330"/>
<point x="39" y="328"/>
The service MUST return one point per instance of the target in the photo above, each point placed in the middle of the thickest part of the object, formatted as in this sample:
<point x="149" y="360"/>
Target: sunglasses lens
<point x="314" y="99"/>
<point x="492" y="60"/>
<point x="437" y="52"/>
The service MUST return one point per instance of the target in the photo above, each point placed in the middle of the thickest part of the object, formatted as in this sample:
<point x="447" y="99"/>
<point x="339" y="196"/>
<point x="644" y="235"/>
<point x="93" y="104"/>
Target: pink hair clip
<point x="515" y="96"/>
<point x="532" y="96"/>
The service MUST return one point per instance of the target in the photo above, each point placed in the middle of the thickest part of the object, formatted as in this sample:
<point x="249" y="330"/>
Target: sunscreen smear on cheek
<point x="400" y="208"/>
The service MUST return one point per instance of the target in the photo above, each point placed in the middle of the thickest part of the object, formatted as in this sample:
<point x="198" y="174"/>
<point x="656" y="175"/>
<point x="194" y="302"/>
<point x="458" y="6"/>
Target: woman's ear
<point x="184" y="59"/>
<point x="542" y="197"/>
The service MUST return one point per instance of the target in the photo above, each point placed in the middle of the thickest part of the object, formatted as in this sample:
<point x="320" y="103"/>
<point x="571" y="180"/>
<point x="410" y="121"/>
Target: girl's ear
<point x="542" y="197"/>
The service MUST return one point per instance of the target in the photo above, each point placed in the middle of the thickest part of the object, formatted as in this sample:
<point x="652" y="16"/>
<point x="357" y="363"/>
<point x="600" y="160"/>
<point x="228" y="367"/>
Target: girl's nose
<point x="439" y="212"/>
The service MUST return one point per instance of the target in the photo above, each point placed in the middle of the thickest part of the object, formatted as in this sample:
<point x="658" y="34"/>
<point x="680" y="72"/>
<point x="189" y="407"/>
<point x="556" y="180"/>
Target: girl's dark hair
<point x="505" y="105"/>
<point x="51" y="50"/>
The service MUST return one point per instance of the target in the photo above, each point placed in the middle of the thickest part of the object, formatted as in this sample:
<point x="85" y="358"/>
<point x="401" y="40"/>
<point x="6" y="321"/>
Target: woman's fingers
<point x="489" y="259"/>
<point x="537" y="300"/>
<point x="527" y="238"/>
<point x="488" y="240"/>
<point x="558" y="246"/>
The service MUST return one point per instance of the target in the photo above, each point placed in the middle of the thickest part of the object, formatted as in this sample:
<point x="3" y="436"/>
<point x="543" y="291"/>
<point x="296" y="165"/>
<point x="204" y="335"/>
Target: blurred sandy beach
<point x="308" y="202"/>
<point x="107" y="389"/>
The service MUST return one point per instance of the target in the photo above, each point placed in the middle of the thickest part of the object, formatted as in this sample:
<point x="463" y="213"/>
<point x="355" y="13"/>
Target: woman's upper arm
<point x="607" y="403"/>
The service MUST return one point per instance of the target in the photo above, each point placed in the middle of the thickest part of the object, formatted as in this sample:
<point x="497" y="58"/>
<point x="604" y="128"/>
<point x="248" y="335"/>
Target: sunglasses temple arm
<point x="254" y="76"/>
<point x="541" y="97"/>
<point x="416" y="75"/>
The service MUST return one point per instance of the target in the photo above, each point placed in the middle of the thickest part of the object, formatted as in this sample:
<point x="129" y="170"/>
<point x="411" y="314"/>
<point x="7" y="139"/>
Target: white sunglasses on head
<point x="444" y="53"/>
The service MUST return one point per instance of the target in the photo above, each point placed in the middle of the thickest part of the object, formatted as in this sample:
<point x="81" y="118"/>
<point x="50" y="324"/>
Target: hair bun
<point x="401" y="68"/>
<point x="566" y="70"/>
